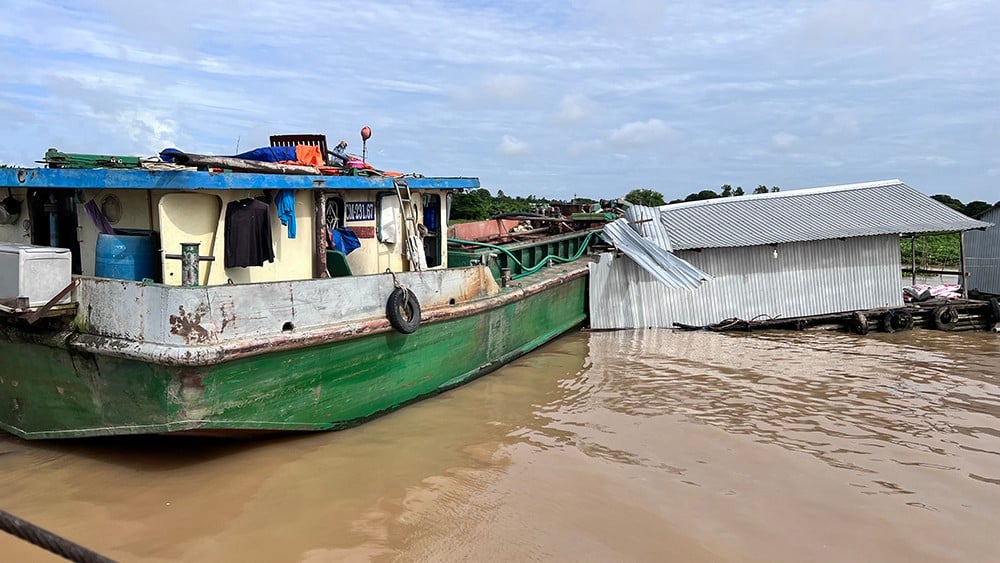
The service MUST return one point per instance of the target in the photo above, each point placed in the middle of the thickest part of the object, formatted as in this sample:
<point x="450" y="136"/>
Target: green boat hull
<point x="55" y="392"/>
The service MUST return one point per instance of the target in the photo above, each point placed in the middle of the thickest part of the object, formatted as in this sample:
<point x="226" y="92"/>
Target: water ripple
<point x="918" y="400"/>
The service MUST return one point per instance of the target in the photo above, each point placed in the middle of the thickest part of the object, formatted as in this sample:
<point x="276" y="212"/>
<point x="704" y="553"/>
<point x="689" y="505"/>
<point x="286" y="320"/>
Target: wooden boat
<point x="318" y="339"/>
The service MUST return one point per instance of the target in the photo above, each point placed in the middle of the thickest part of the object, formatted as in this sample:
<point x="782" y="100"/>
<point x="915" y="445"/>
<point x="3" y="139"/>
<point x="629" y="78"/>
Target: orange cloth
<point x="309" y="155"/>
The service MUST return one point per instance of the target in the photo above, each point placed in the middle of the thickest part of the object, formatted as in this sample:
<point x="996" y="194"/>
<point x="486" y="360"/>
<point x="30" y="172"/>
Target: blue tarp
<point x="270" y="154"/>
<point x="263" y="154"/>
<point x="344" y="240"/>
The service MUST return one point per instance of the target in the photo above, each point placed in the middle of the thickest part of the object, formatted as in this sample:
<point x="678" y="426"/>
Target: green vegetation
<point x="933" y="251"/>
<point x="726" y="190"/>
<point x="647" y="197"/>
<point x="480" y="204"/>
<point x="972" y="209"/>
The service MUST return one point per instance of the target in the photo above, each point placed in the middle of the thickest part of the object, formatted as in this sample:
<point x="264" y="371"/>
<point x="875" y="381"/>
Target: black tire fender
<point x="403" y="310"/>
<point x="896" y="321"/>
<point x="859" y="323"/>
<point x="945" y="317"/>
<point x="994" y="309"/>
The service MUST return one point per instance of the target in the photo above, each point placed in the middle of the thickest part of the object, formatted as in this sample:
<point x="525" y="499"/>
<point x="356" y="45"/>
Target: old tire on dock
<point x="897" y="321"/>
<point x="859" y="323"/>
<point x="403" y="310"/>
<point x="994" y="310"/>
<point x="945" y="317"/>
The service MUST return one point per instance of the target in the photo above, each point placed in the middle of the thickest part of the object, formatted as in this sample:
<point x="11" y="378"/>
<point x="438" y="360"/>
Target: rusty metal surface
<point x="319" y="260"/>
<point x="208" y="325"/>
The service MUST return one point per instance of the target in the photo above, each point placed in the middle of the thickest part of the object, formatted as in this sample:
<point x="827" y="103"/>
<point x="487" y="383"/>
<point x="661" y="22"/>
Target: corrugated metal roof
<point x="853" y="210"/>
<point x="661" y="264"/>
<point x="646" y="221"/>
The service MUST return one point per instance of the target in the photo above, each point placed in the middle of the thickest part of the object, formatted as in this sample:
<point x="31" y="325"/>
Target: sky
<point x="589" y="98"/>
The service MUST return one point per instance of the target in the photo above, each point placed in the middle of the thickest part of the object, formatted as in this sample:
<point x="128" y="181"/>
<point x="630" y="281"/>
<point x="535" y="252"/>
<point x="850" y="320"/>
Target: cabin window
<point x="389" y="218"/>
<point x="433" y="223"/>
<point x="334" y="212"/>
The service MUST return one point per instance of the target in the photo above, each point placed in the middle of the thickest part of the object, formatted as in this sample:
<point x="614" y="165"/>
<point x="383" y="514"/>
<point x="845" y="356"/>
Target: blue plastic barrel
<point x="431" y="218"/>
<point x="131" y="256"/>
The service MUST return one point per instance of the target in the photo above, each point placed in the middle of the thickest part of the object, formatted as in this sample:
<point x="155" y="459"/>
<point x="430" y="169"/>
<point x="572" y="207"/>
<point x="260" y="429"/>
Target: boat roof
<point x="76" y="179"/>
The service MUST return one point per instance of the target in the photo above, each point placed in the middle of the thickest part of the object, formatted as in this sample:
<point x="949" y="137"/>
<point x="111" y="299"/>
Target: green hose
<point x="536" y="267"/>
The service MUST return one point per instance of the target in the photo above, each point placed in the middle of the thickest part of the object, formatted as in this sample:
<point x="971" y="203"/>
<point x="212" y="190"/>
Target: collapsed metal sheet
<point x="652" y="257"/>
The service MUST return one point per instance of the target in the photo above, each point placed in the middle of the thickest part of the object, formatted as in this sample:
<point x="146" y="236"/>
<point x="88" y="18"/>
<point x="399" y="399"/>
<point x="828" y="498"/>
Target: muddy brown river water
<point x="617" y="446"/>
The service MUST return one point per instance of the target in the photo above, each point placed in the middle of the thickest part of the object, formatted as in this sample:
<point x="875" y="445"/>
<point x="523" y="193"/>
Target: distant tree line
<point x="645" y="196"/>
<point x="480" y="204"/>
<point x="972" y="209"/>
<point x="650" y="197"/>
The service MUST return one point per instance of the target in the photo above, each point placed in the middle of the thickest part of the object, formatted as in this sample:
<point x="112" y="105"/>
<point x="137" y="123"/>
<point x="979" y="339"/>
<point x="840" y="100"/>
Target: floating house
<point x="779" y="255"/>
<point x="982" y="255"/>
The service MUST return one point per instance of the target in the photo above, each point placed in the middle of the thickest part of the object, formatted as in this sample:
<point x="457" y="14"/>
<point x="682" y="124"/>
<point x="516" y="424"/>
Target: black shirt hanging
<point x="248" y="234"/>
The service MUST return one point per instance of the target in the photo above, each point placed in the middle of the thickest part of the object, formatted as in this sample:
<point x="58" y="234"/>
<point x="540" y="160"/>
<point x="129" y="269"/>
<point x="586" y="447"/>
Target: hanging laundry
<point x="248" y="234"/>
<point x="284" y="200"/>
<point x="97" y="217"/>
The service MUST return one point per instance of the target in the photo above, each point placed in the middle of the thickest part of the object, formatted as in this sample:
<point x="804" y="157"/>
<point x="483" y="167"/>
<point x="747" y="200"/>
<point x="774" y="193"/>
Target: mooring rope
<point x="47" y="540"/>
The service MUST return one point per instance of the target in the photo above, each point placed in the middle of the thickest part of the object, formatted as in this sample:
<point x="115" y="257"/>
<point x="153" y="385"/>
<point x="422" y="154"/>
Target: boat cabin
<point x="248" y="227"/>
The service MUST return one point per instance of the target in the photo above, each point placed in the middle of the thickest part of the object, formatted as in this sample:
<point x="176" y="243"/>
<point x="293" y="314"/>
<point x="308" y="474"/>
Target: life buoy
<point x="896" y="321"/>
<point x="945" y="317"/>
<point x="403" y="310"/>
<point x="859" y="323"/>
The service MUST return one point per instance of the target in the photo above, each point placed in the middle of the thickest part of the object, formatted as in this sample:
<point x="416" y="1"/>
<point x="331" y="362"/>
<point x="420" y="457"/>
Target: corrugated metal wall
<point x="806" y="278"/>
<point x="982" y="255"/>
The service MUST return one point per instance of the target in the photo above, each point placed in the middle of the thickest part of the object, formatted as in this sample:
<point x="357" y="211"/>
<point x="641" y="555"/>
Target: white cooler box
<point x="35" y="272"/>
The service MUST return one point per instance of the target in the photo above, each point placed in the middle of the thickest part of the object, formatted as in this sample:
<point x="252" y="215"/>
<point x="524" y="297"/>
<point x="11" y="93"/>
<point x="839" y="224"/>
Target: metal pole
<point x="189" y="258"/>
<point x="913" y="260"/>
<point x="961" y="266"/>
<point x="189" y="263"/>
<point x="319" y="211"/>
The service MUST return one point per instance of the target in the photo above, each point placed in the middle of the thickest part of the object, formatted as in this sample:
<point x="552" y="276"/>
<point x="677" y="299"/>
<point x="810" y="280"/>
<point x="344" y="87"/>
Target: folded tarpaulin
<point x="305" y="155"/>
<point x="270" y="154"/>
<point x="234" y="163"/>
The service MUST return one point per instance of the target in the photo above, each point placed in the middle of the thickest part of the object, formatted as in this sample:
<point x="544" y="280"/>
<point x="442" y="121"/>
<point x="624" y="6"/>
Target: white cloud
<point x="584" y="148"/>
<point x="512" y="146"/>
<point x="574" y="108"/>
<point x="497" y="88"/>
<point x="640" y="133"/>
<point x="147" y="130"/>
<point x="784" y="142"/>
